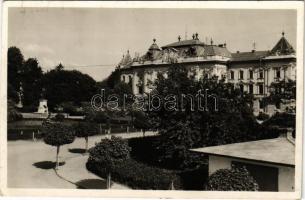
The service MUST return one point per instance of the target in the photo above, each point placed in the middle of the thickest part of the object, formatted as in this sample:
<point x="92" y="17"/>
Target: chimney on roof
<point x="193" y="36"/>
<point x="225" y="44"/>
<point x="179" y="38"/>
<point x="283" y="33"/>
<point x="196" y="36"/>
<point x="237" y="51"/>
<point x="211" y="41"/>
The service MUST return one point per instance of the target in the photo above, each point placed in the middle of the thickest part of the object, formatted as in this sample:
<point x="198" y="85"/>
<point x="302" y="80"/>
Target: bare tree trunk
<point x="109" y="180"/>
<point x="86" y="138"/>
<point x="57" y="161"/>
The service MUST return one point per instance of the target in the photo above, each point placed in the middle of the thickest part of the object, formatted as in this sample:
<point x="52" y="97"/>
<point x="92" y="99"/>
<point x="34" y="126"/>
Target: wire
<point x="99" y="65"/>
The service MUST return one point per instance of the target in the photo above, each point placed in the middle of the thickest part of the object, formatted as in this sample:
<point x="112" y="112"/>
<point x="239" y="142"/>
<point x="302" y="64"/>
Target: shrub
<point x="262" y="116"/>
<point x="235" y="179"/>
<point x="57" y="134"/>
<point x="142" y="122"/>
<point x="59" y="117"/>
<point x="281" y="120"/>
<point x="143" y="149"/>
<point x="29" y="108"/>
<point x="85" y="129"/>
<point x="138" y="175"/>
<point x="12" y="112"/>
<point x="101" y="117"/>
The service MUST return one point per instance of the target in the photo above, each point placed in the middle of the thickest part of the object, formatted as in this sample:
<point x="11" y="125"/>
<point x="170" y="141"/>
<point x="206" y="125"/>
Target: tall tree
<point x="31" y="77"/>
<point x="14" y="63"/>
<point x="114" y="78"/>
<point x="223" y="117"/>
<point x="63" y="86"/>
<point x="282" y="90"/>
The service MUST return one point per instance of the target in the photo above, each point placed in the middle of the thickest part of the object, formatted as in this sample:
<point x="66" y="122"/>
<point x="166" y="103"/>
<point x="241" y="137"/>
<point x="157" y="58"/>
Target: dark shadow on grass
<point x="91" y="184"/>
<point x="47" y="164"/>
<point x="77" y="150"/>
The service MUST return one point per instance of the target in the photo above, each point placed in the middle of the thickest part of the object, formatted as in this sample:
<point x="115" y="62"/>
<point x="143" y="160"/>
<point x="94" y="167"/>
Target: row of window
<point x="260" y="88"/>
<point x="260" y="74"/>
<point x="127" y="78"/>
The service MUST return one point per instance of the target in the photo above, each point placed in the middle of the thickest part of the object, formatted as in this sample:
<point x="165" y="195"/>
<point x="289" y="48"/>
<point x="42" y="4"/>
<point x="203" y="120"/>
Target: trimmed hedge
<point x="138" y="175"/>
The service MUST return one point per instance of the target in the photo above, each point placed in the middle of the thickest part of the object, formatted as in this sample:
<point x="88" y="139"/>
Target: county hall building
<point x="252" y="72"/>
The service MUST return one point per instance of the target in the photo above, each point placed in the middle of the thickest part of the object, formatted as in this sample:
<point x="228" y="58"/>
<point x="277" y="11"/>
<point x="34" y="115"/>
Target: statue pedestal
<point x="43" y="106"/>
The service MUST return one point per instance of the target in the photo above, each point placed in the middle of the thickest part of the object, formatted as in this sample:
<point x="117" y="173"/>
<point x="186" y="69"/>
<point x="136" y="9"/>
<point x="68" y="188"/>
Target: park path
<point x="30" y="164"/>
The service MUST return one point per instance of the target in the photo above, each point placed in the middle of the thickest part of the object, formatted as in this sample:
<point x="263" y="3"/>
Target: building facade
<point x="251" y="72"/>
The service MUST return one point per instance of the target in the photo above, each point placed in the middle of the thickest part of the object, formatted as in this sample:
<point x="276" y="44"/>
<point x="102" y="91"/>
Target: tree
<point x="59" y="117"/>
<point x="12" y="93"/>
<point x="14" y="64"/>
<point x="114" y="78"/>
<point x="235" y="179"/>
<point x="57" y="134"/>
<point x="109" y="152"/>
<point x="68" y="86"/>
<point x="141" y="121"/>
<point x="282" y="90"/>
<point x="12" y="113"/>
<point x="31" y="78"/>
<point x="85" y="129"/>
<point x="224" y="117"/>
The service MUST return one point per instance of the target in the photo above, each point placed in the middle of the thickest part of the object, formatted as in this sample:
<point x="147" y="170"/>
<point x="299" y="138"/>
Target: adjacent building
<point x="272" y="173"/>
<point x="251" y="72"/>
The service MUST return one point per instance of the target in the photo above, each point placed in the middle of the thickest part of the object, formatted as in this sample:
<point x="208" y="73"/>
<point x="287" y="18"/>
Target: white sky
<point x="89" y="36"/>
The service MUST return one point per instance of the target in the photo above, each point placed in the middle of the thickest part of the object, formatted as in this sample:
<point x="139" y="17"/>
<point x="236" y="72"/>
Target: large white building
<point x="252" y="72"/>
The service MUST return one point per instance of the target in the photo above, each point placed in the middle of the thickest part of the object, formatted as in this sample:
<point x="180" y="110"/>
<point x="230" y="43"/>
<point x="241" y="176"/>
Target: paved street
<point x="30" y="165"/>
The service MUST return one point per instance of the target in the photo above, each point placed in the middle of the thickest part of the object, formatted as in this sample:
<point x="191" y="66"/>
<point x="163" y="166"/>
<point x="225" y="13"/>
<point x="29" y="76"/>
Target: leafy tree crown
<point x="57" y="134"/>
<point x="110" y="151"/>
<point x="235" y="179"/>
<point x="85" y="129"/>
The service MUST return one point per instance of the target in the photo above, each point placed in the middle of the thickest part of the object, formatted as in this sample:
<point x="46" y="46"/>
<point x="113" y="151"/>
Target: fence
<point x="34" y="132"/>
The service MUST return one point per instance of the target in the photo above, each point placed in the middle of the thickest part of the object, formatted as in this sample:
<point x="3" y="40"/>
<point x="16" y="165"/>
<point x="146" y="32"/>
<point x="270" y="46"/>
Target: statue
<point x="20" y="97"/>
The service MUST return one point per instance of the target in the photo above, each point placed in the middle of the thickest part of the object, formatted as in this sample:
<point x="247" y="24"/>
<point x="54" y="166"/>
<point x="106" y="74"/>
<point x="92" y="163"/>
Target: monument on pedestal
<point x="43" y="104"/>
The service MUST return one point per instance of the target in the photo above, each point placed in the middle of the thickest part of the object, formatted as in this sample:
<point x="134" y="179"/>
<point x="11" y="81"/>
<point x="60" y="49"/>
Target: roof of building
<point x="278" y="151"/>
<point x="213" y="50"/>
<point x="249" y="56"/>
<point x="184" y="49"/>
<point x="282" y="47"/>
<point x="184" y="43"/>
<point x="154" y="46"/>
<point x="126" y="60"/>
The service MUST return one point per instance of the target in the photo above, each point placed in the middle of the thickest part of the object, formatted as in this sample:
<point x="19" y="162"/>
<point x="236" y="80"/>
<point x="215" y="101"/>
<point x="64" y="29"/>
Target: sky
<point x="82" y="38"/>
